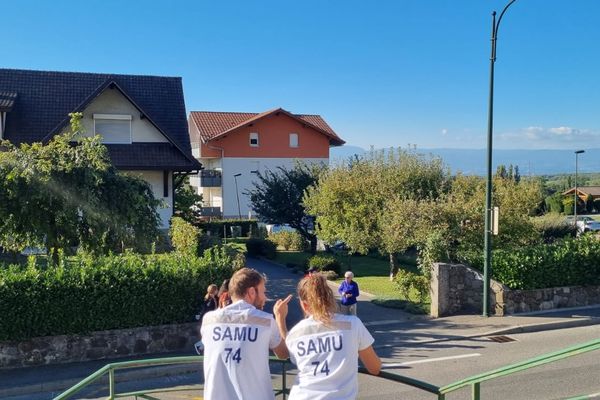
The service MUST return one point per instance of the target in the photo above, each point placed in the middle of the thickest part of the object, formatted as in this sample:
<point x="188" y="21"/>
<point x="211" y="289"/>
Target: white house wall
<point x="245" y="181"/>
<point x="155" y="179"/>
<point x="111" y="101"/>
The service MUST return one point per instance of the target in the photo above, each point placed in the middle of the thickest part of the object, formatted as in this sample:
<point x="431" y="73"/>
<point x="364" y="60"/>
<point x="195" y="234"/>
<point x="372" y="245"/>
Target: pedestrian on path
<point x="237" y="339"/>
<point x="326" y="346"/>
<point x="349" y="292"/>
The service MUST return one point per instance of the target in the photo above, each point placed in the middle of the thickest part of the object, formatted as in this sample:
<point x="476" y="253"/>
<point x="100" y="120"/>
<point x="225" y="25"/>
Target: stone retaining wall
<point x="456" y="289"/>
<point x="99" y="345"/>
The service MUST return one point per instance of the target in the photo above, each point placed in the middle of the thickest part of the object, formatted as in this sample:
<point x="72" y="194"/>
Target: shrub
<point x="573" y="261"/>
<point x="184" y="236"/>
<point x="324" y="263"/>
<point x="288" y="240"/>
<point x="434" y="250"/>
<point x="408" y="282"/>
<point x="553" y="227"/>
<point x="221" y="228"/>
<point x="597" y="205"/>
<point x="84" y="293"/>
<point x="261" y="248"/>
<point x="554" y="203"/>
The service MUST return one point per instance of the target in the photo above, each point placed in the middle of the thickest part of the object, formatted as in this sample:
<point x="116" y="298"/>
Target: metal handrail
<point x="112" y="367"/>
<point x="473" y="381"/>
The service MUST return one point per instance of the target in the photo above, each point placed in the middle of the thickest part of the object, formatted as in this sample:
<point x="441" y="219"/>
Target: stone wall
<point x="519" y="301"/>
<point x="100" y="345"/>
<point x="456" y="289"/>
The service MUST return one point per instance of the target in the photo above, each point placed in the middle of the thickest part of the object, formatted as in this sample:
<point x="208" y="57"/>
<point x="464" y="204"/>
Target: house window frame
<point x="294" y="143"/>
<point x="114" y="117"/>
<point x="253" y="136"/>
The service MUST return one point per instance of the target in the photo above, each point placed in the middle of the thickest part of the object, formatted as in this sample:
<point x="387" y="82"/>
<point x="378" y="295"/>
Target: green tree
<point x="187" y="202"/>
<point x="356" y="202"/>
<point x="66" y="193"/>
<point x="277" y="198"/>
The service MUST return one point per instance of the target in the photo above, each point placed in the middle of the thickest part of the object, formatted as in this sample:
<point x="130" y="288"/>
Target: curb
<point x="120" y="376"/>
<point x="545" y="326"/>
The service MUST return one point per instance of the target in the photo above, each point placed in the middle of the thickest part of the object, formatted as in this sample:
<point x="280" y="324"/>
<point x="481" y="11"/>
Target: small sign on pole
<point x="495" y="219"/>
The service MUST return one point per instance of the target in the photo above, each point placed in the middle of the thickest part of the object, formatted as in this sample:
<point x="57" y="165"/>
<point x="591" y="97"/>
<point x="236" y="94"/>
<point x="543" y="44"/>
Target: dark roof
<point x="44" y="100"/>
<point x="7" y="100"/>
<point x="212" y="125"/>
<point x="135" y="156"/>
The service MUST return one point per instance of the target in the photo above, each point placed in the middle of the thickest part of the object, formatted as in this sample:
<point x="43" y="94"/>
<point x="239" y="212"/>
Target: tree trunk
<point x="393" y="266"/>
<point x="313" y="244"/>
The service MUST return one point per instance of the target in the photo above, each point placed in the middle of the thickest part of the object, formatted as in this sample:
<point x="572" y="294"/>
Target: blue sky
<point x="382" y="73"/>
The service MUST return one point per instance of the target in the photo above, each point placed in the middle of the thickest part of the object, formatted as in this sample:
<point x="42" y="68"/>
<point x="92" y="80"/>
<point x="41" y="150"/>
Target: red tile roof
<point x="213" y="124"/>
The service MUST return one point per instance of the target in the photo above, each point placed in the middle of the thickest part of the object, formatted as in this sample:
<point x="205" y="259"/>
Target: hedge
<point x="86" y="294"/>
<point x="570" y="262"/>
<point x="216" y="227"/>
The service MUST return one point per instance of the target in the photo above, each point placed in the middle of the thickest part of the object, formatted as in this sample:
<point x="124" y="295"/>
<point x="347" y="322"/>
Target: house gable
<point x="113" y="103"/>
<point x="272" y="134"/>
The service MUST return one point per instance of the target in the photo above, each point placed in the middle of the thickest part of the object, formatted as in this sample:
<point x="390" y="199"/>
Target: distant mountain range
<point x="474" y="162"/>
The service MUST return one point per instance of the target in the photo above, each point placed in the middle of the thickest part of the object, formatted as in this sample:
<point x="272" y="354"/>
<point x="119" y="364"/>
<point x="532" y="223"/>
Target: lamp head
<point x="579" y="151"/>
<point x="236" y="175"/>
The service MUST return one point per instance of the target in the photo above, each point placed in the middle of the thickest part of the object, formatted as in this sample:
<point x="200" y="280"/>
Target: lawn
<point x="372" y="274"/>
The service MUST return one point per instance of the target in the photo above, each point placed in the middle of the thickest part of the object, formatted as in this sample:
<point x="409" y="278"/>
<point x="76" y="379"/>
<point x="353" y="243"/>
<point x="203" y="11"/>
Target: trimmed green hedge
<point x="85" y="294"/>
<point x="570" y="262"/>
<point x="216" y="227"/>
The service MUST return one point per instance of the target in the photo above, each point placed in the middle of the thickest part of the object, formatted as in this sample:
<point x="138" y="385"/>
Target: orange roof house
<point x="232" y="146"/>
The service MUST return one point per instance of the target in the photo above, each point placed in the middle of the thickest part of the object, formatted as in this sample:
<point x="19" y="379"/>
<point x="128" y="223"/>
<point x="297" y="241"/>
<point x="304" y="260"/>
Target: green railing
<point x="110" y="369"/>
<point x="474" y="381"/>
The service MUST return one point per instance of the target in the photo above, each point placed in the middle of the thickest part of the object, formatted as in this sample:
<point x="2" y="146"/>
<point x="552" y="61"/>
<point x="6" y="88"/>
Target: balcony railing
<point x="210" y="211"/>
<point x="210" y="178"/>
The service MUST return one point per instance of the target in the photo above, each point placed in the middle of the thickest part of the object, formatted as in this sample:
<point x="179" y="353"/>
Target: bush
<point x="221" y="228"/>
<point x="261" y="248"/>
<point x="324" y="263"/>
<point x="288" y="240"/>
<point x="184" y="236"/>
<point x="553" y="227"/>
<point x="567" y="263"/>
<point x="597" y="205"/>
<point x="84" y="294"/>
<point x="409" y="282"/>
<point x="554" y="203"/>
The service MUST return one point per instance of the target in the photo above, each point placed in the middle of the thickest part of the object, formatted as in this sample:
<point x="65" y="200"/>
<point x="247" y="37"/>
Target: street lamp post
<point x="237" y="194"/>
<point x="577" y="153"/>
<point x="488" y="189"/>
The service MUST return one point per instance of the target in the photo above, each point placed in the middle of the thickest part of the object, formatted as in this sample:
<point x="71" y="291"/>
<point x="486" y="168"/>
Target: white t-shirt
<point x="327" y="357"/>
<point x="236" y="341"/>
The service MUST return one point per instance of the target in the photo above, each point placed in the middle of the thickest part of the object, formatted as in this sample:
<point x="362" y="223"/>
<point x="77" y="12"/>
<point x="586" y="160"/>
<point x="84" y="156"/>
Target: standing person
<point x="210" y="298"/>
<point x="224" y="298"/>
<point x="237" y="339"/>
<point x="349" y="292"/>
<point x="326" y="346"/>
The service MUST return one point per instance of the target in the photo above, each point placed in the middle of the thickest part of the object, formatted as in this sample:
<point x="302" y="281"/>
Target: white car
<point x="587" y="224"/>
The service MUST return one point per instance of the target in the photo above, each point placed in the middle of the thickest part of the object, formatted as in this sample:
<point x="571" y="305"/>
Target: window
<point x="114" y="128"/>
<point x="254" y="139"/>
<point x="293" y="140"/>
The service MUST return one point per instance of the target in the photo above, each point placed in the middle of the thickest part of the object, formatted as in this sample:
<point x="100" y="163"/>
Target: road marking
<point x="393" y="365"/>
<point x="384" y="322"/>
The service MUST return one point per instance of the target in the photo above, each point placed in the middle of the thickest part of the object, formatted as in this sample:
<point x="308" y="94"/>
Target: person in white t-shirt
<point x="326" y="346"/>
<point x="237" y="339"/>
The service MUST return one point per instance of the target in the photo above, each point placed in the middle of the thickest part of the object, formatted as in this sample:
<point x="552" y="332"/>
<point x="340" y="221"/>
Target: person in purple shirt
<point x="349" y="292"/>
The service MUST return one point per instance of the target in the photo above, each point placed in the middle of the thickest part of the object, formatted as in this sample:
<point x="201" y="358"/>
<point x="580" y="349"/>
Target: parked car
<point x="585" y="224"/>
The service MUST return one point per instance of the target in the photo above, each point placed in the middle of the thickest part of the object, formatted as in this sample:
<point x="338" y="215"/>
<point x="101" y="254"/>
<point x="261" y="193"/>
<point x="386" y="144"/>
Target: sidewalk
<point x="407" y="328"/>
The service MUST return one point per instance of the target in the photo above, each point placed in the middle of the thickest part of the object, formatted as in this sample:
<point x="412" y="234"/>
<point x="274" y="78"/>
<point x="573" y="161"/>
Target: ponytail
<point x="314" y="291"/>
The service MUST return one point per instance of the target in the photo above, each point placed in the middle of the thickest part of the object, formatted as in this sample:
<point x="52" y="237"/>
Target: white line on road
<point x="384" y="322"/>
<point x="393" y="365"/>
